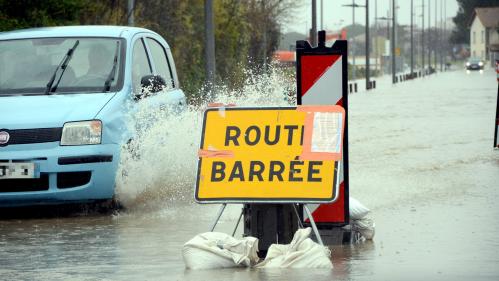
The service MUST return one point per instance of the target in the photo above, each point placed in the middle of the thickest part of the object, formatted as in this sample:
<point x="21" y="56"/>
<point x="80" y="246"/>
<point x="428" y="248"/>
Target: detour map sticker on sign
<point x="283" y="154"/>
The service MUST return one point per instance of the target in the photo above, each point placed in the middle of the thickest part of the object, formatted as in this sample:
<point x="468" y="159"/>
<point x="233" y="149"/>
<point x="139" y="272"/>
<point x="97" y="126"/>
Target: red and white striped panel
<point x="322" y="84"/>
<point x="496" y="136"/>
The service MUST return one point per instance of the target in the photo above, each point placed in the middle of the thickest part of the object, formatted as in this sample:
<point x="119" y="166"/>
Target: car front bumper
<point x="474" y="67"/>
<point x="64" y="174"/>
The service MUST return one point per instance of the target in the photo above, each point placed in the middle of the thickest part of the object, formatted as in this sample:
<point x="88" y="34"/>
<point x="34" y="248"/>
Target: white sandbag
<point x="357" y="210"/>
<point x="365" y="227"/>
<point x="219" y="250"/>
<point x="302" y="252"/>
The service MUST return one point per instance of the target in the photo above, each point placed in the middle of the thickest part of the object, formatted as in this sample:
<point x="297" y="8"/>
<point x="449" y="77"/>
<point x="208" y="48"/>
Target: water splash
<point x="159" y="165"/>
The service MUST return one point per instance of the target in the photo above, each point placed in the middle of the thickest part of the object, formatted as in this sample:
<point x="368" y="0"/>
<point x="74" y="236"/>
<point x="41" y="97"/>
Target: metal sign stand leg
<point x="238" y="221"/>
<point x="312" y="222"/>
<point x="297" y="216"/>
<point x="307" y="210"/>
<point x="220" y="212"/>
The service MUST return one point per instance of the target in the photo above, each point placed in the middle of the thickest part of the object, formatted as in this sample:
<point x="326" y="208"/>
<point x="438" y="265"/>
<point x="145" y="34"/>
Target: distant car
<point x="64" y="96"/>
<point x="474" y="64"/>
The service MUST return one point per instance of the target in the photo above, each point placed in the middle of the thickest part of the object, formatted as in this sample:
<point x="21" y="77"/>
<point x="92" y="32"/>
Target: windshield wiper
<point x="112" y="74"/>
<point x="62" y="65"/>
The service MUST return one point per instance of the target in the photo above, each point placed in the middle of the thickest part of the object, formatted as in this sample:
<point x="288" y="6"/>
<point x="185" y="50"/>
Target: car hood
<point x="47" y="111"/>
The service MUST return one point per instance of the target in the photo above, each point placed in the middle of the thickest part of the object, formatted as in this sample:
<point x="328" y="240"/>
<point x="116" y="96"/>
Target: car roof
<point x="73" y="31"/>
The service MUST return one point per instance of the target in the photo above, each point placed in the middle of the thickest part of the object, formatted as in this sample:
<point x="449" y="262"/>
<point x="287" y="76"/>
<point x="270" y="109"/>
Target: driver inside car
<point x="100" y="61"/>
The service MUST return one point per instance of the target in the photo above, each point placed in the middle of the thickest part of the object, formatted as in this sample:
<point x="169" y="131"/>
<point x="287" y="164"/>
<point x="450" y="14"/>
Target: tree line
<point x="246" y="31"/>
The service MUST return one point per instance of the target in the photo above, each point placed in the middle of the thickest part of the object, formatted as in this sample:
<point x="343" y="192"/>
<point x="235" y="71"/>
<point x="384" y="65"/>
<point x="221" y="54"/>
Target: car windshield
<point x="475" y="60"/>
<point x="27" y="65"/>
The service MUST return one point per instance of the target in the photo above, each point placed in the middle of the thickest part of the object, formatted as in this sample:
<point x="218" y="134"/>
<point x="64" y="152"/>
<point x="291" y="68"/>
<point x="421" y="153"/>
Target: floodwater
<point x="421" y="158"/>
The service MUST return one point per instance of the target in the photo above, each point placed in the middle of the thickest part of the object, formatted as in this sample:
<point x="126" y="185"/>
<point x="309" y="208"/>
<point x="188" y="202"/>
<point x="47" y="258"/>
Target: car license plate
<point x="17" y="170"/>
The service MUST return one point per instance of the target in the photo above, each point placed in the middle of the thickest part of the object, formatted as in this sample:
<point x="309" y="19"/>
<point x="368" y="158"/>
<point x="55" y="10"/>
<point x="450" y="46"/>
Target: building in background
<point x="484" y="34"/>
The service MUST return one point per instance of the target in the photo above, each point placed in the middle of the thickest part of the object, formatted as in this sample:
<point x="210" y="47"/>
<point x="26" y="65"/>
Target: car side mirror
<point x="151" y="84"/>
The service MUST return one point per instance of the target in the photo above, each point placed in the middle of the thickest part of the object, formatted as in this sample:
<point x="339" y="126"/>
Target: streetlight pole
<point x="412" y="40"/>
<point x="393" y="41"/>
<point x="313" y="35"/>
<point x="322" y="14"/>
<point x="376" y="55"/>
<point x="210" y="43"/>
<point x="437" y="40"/>
<point x="367" y="47"/>
<point x="429" y="32"/>
<point x="353" y="40"/>
<point x="422" y="39"/>
<point x="130" y="13"/>
<point x="441" y="39"/>
<point x="445" y="33"/>
<point x="388" y="31"/>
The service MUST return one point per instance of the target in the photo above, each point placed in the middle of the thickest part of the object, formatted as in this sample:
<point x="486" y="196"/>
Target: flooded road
<point x="421" y="158"/>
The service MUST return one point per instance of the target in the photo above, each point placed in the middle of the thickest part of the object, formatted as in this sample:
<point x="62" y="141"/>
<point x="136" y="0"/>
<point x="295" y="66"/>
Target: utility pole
<point x="437" y="39"/>
<point x="322" y="14"/>
<point x="445" y="34"/>
<point x="368" y="64"/>
<point x="412" y="39"/>
<point x="353" y="40"/>
<point x="441" y="40"/>
<point x="210" y="43"/>
<point x="388" y="31"/>
<point x="130" y="12"/>
<point x="422" y="38"/>
<point x="264" y="38"/>
<point x="313" y="32"/>
<point x="376" y="55"/>
<point x="429" y="33"/>
<point x="393" y="40"/>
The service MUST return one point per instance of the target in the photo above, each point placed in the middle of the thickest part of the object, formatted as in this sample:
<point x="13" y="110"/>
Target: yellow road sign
<point x="270" y="154"/>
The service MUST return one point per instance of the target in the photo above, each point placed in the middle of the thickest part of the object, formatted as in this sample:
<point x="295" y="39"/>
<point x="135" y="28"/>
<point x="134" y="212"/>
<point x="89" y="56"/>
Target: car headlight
<point x="480" y="63"/>
<point x="82" y="133"/>
<point x="467" y="64"/>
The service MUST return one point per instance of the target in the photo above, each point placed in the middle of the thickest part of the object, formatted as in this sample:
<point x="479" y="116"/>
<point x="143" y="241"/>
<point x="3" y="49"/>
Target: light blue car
<point x="65" y="93"/>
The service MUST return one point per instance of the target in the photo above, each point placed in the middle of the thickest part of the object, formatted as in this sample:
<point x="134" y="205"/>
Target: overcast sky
<point x="335" y="15"/>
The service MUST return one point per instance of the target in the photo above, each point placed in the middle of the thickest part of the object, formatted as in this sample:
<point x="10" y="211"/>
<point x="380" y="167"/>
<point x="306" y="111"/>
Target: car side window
<point x="160" y="60"/>
<point x="140" y="65"/>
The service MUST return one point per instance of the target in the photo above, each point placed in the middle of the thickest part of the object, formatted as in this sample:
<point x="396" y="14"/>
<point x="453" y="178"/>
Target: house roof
<point x="285" y="56"/>
<point x="489" y="16"/>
